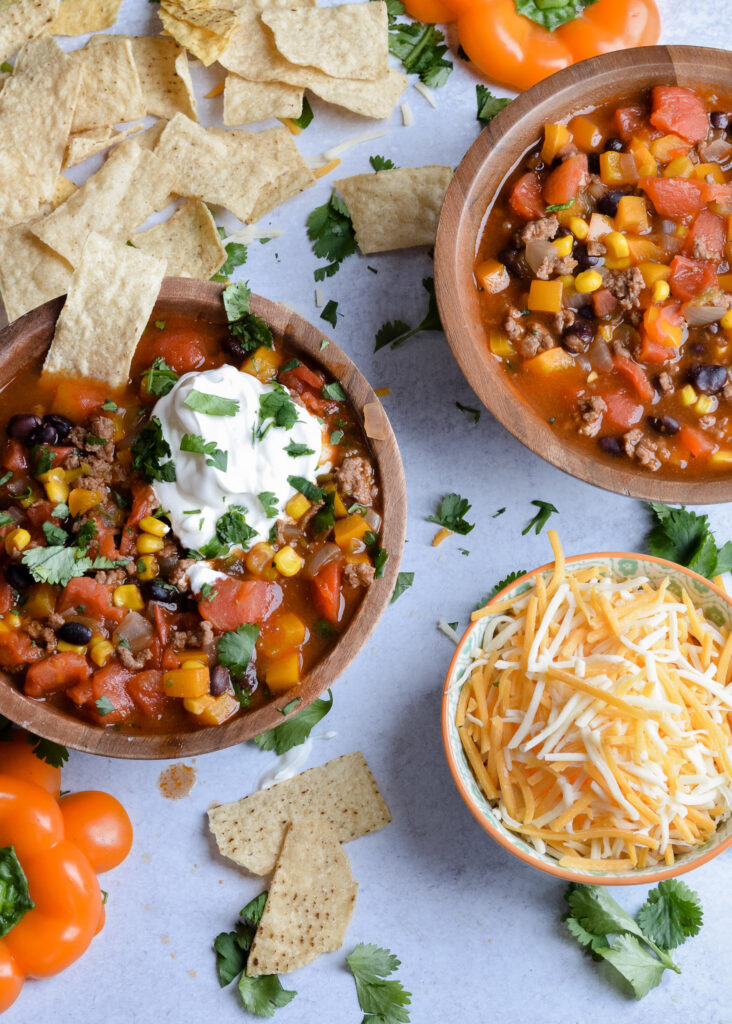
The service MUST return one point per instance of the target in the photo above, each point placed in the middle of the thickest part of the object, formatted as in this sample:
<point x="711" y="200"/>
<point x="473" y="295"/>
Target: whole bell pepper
<point x="50" y="902"/>
<point x="517" y="52"/>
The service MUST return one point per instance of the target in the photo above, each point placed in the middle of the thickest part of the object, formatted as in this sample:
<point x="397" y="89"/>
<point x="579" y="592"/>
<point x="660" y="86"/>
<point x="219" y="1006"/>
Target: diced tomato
<point x="16" y="649"/>
<point x="604" y="302"/>
<point x="183" y="350"/>
<point x="696" y="441"/>
<point x="78" y="399"/>
<point x="82" y="693"/>
<point x="664" y="325"/>
<point x="111" y="682"/>
<point x="302" y="376"/>
<point x="163" y="621"/>
<point x="6" y="597"/>
<point x="148" y="694"/>
<point x="720" y="196"/>
<point x="96" y="599"/>
<point x="652" y="352"/>
<point x="170" y="659"/>
<point x="39" y="513"/>
<point x="106" y="546"/>
<point x="526" y="200"/>
<point x="679" y="111"/>
<point x="708" y="235"/>
<point x="144" y="504"/>
<point x="629" y="120"/>
<point x="56" y="672"/>
<point x="565" y="181"/>
<point x="622" y="412"/>
<point x="675" y="197"/>
<point x="15" y="456"/>
<point x="689" y="277"/>
<point x="239" y="601"/>
<point x="636" y="375"/>
<point x="58" y="453"/>
<point x="326" y="590"/>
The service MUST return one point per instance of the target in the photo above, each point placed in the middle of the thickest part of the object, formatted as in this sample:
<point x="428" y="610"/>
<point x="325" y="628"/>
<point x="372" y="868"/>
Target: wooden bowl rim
<point x="504" y="838"/>
<point x="26" y="338"/>
<point x="497" y="150"/>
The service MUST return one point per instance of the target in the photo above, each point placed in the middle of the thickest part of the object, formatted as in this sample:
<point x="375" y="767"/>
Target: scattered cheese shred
<point x="382" y="392"/>
<point x="324" y="169"/>
<point x="336" y="151"/>
<point x="216" y="91"/>
<point x="597" y="715"/>
<point x="251" y="233"/>
<point x="424" y="90"/>
<point x="319" y="297"/>
<point x="441" y="535"/>
<point x="451" y="634"/>
<point x="407" y="115"/>
<point x="290" y="124"/>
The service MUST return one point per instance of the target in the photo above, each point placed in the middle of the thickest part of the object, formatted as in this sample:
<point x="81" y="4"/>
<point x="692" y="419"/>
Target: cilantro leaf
<point x="333" y="392"/>
<point x="671" y="914"/>
<point x="381" y="163"/>
<point x="263" y="995"/>
<point x="421" y="50"/>
<point x="249" y="331"/>
<point x="403" y="582"/>
<point x="488" y="104"/>
<point x="57" y="565"/>
<point x="506" y="581"/>
<point x="252" y="912"/>
<point x="295" y="730"/>
<point x="451" y="514"/>
<point x="231" y="955"/>
<point x="556" y="207"/>
<point x="685" y="537"/>
<point x="469" y="411"/>
<point x="324" y="519"/>
<point x="236" y="255"/>
<point x="268" y="501"/>
<point x="211" y="405"/>
<point x="232" y="527"/>
<point x="159" y="379"/>
<point x="331" y="231"/>
<point x="541" y="518"/>
<point x="306" y="117"/>
<point x="236" y="647"/>
<point x="149" y="449"/>
<point x="48" y="751"/>
<point x="396" y="332"/>
<point x="277" y="407"/>
<point x="598" y="912"/>
<point x="195" y="443"/>
<point x="6" y="67"/>
<point x="54" y="534"/>
<point x="383" y="1001"/>
<point x="636" y="965"/>
<point x="104" y="705"/>
<point x="330" y="313"/>
<point x="295" y="449"/>
<point x="5" y="519"/>
<point x="550" y="14"/>
<point x="311" y="492"/>
<point x="109" y="406"/>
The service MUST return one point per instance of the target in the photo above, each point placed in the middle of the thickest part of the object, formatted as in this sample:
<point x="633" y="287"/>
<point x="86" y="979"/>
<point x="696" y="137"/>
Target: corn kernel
<point x="556" y="137"/>
<point x="101" y="652"/>
<point x="726" y="320"/>
<point x="588" y="281"/>
<point x="259" y="558"/>
<point x="13" y="620"/>
<point x="579" y="227"/>
<point x="147" y="567"/>
<point x="154" y="526"/>
<point x="705" y="404"/>
<point x="661" y="291"/>
<point x="563" y="245"/>
<point x="57" y="490"/>
<point x="147" y="544"/>
<point x="681" y="231"/>
<point x="75" y="648"/>
<point x="297" y="507"/>
<point x="288" y="561"/>
<point x="721" y="457"/>
<point x="606" y="332"/>
<point x="128" y="596"/>
<point x="17" y="540"/>
<point x="687" y="395"/>
<point x="617" y="245"/>
<point x="591" y="377"/>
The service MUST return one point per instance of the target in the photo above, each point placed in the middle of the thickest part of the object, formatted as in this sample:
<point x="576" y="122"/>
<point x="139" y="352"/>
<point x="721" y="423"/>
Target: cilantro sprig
<point x="404" y="581"/>
<point x="276" y="409"/>
<point x="159" y="378"/>
<point x="247" y="329"/>
<point x="331" y="231"/>
<point x="685" y="537"/>
<point x="546" y="509"/>
<point x="396" y="332"/>
<point x="451" y="514"/>
<point x="195" y="444"/>
<point x="149" y="452"/>
<point x="295" y="730"/>
<point x="637" y="947"/>
<point x="505" y="582"/>
<point x="420" y="48"/>
<point x="488" y="104"/>
<point x="236" y="255"/>
<point x="382" y="999"/>
<point x="381" y="163"/>
<point x="234" y="650"/>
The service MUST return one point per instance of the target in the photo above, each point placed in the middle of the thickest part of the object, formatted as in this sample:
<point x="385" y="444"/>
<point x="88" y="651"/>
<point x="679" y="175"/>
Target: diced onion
<point x="373" y="519"/>
<point x="537" y="250"/>
<point x="599" y="354"/>
<point x="136" y="630"/>
<point x="374" y="421"/>
<point x="672" y="243"/>
<point x="718" y="150"/>
<point x="315" y="562"/>
<point x="696" y="316"/>
<point x="628" y="167"/>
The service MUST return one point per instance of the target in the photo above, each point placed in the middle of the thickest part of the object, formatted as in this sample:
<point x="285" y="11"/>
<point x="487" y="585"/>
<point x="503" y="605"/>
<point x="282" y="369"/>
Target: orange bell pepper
<point x="517" y="52"/>
<point x="52" y="904"/>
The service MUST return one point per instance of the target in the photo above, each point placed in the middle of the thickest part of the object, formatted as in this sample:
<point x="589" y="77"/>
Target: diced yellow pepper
<point x="680" y="167"/>
<point x="703" y="171"/>
<point x="492" y="276"/>
<point x="154" y="526"/>
<point x="563" y="245"/>
<point x="668" y="147"/>
<point x="643" y="249"/>
<point x="585" y="132"/>
<point x="17" y="540"/>
<point x="41" y="601"/>
<point x="128" y="596"/>
<point x="556" y="137"/>
<point x="282" y="674"/>
<point x="617" y="245"/>
<point x="297" y="506"/>
<point x="359" y="558"/>
<point x="588" y="281"/>
<point x="146" y="544"/>
<point x="632" y="215"/>
<point x="196" y="654"/>
<point x="725" y="282"/>
<point x="187" y="682"/>
<point x="661" y="291"/>
<point x="74" y="648"/>
<point x="687" y="395"/>
<point x="263" y="364"/>
<point x="617" y="168"/>
<point x="286" y="633"/>
<point x="545" y="296"/>
<point x="579" y="227"/>
<point x="653" y="272"/>
<point x="500" y="345"/>
<point x="101" y="652"/>
<point x="212" y="710"/>
<point x="644" y="159"/>
<point x="721" y="458"/>
<point x="339" y="507"/>
<point x="80" y="500"/>
<point x="353" y="527"/>
<point x="288" y="562"/>
<point x="549" y="361"/>
<point x="147" y="568"/>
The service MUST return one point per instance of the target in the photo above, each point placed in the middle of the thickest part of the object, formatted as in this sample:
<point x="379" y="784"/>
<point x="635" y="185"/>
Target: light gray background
<point x="478" y="933"/>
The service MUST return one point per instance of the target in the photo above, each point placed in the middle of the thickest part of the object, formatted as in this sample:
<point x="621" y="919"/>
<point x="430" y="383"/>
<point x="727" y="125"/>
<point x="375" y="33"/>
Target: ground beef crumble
<point x="356" y="477"/>
<point x="591" y="410"/>
<point x="528" y="336"/>
<point x="132" y="661"/>
<point x="637" y="446"/>
<point x="359" y="575"/>
<point x="626" y="286"/>
<point x="544" y="228"/>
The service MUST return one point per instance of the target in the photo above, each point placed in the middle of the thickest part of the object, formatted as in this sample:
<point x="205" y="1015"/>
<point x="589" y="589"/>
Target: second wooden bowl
<point x="480" y="176"/>
<point x="27" y="339"/>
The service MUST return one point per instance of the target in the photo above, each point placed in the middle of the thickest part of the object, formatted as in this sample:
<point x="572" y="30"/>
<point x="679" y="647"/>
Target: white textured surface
<point x="478" y="933"/>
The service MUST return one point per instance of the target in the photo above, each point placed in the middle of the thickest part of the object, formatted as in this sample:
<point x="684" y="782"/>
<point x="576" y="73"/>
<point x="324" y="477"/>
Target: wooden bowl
<point x="495" y="153"/>
<point x="28" y="338"/>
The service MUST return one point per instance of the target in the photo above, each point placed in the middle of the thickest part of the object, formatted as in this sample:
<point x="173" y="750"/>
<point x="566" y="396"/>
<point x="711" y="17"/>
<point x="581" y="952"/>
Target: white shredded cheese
<point x="425" y="91"/>
<point x="342" y="147"/>
<point x="318" y="297"/>
<point x="407" y="115"/>
<point x="446" y="628"/>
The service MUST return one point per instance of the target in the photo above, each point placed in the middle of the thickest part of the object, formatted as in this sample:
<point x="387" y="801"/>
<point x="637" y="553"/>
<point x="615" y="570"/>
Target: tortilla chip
<point x="344" y="792"/>
<point x="251" y="53"/>
<point x="210" y="17"/>
<point x="395" y="209"/>
<point x="162" y="66"/>
<point x="188" y="242"/>
<point x="148" y="138"/>
<point x="349" y="41"/>
<point x="110" y="89"/>
<point x="111" y="296"/>
<point x="205" y="45"/>
<point x="245" y="102"/>
<point x="370" y="99"/>
<point x="294" y="174"/>
<point x="63" y="190"/>
<point x="118" y="199"/>
<point x="310" y="902"/>
<point x="21" y="20"/>
<point x="30" y="272"/>
<point x="36" y="107"/>
<point x="75" y="17"/>
<point x="86" y="144"/>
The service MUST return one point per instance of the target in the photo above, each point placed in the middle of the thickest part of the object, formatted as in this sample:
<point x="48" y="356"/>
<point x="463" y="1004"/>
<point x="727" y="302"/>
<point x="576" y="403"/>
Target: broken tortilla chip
<point x="110" y="89"/>
<point x="343" y="791"/>
<point x="348" y="41"/>
<point x="111" y="296"/>
<point x="75" y="17"/>
<point x="310" y="902"/>
<point x="30" y="272"/>
<point x="188" y="242"/>
<point x="165" y="80"/>
<point x="22" y="20"/>
<point x="370" y="99"/>
<point x="245" y="102"/>
<point x="118" y="199"/>
<point x="64" y="188"/>
<point x="206" y="46"/>
<point x="395" y="209"/>
<point x="293" y="176"/>
<point x="86" y="144"/>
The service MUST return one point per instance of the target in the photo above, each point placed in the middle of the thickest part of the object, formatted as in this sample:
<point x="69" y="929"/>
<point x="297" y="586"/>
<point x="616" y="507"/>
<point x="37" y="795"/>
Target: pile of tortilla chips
<point x="295" y="830"/>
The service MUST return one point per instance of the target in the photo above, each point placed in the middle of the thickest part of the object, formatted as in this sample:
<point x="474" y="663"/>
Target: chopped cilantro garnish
<point x="160" y="324"/>
<point x="336" y="437"/>
<point x="57" y="565"/>
<point x="290" y="706"/>
<point x="159" y="379"/>
<point x="104" y="705"/>
<point x="295" y="449"/>
<point x="5" y="519"/>
<point x="556" y="207"/>
<point x="236" y="647"/>
<point x="249" y="330"/>
<point x="269" y="503"/>
<point x="403" y="582"/>
<point x="451" y="514"/>
<point x="6" y="67"/>
<point x="276" y="409"/>
<point x="334" y="392"/>
<point x="295" y="730"/>
<point x="324" y="519"/>
<point x="149" y="450"/>
<point x="215" y="457"/>
<point x="685" y="537"/>
<point x="396" y="332"/>
<point x="291" y="364"/>
<point x="380" y="557"/>
<point x="94" y="440"/>
<point x="331" y="232"/>
<point x="208" y="591"/>
<point x="330" y="313"/>
<point x="324" y="343"/>
<point x="488" y="104"/>
<point x="46" y="750"/>
<point x="311" y="492"/>
<point x="382" y="1000"/>
<point x="324" y="629"/>
<point x="232" y="527"/>
<point x="54" y="534"/>
<point x="541" y="518"/>
<point x="381" y="163"/>
<point x="236" y="255"/>
<point x="42" y="460"/>
<point x="469" y="411"/>
<point x="211" y="405"/>
<point x="6" y="477"/>
<point x="419" y="47"/>
<point x="306" y="117"/>
<point x="498" y="513"/>
<point x="109" y="406"/>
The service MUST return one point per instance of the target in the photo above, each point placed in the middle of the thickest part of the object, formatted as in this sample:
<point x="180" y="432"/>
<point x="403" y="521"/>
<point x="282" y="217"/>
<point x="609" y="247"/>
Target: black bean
<point x="562" y="232"/>
<point x="21" y="425"/>
<point x="231" y="345"/>
<point x="220" y="681"/>
<point x="664" y="424"/>
<point x="18" y="576"/>
<point x="511" y="259"/>
<point x="587" y="312"/>
<point x="593" y="163"/>
<point x="608" y="203"/>
<point x="44" y="434"/>
<point x="557" y="162"/>
<point x="163" y="593"/>
<point x="584" y="260"/>
<point x="698" y="348"/>
<point x="611" y="445"/>
<point x="718" y="119"/>
<point x="61" y="425"/>
<point x="616" y="145"/>
<point x="708" y="378"/>
<point x="74" y="633"/>
<point x="577" y="337"/>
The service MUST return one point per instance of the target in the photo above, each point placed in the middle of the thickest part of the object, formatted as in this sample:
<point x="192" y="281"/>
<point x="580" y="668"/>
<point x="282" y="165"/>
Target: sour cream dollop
<point x="256" y="460"/>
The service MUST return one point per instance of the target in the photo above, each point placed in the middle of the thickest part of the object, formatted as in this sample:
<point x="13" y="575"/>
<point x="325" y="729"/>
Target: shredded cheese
<point x="597" y="717"/>
<point x="356" y="140"/>
<point x="424" y="90"/>
<point x="324" y="169"/>
<point x="407" y="115"/>
<point x="216" y="91"/>
<point x="319" y="297"/>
